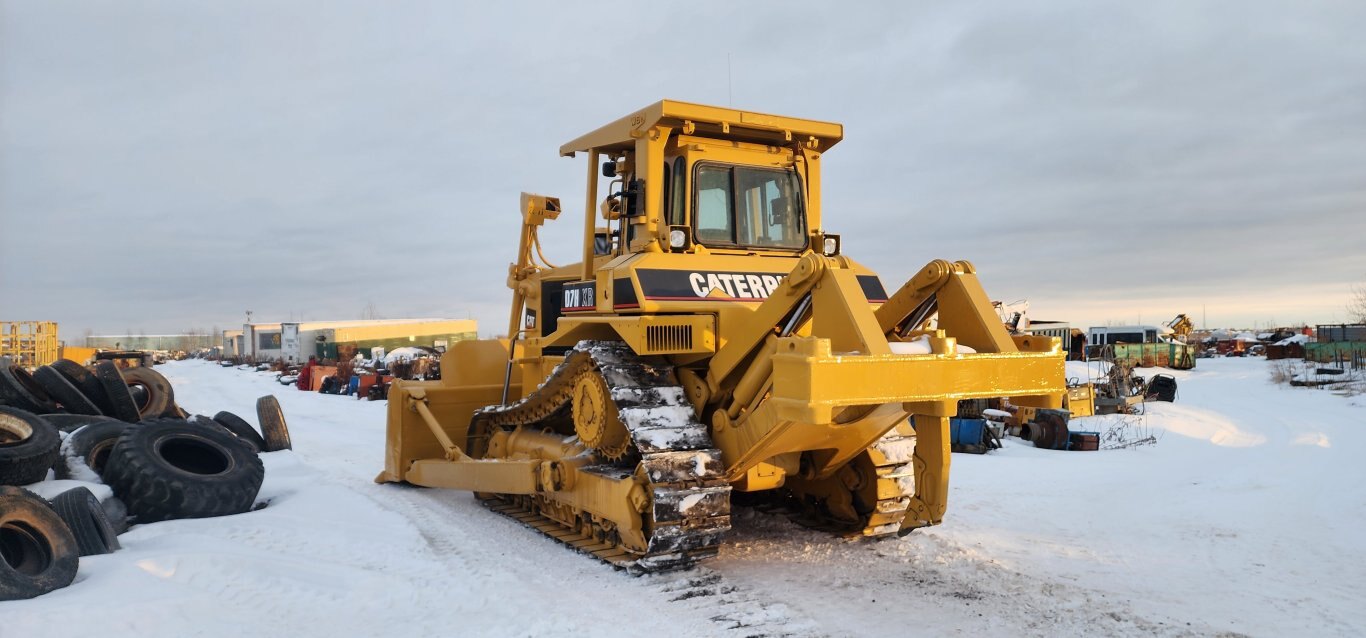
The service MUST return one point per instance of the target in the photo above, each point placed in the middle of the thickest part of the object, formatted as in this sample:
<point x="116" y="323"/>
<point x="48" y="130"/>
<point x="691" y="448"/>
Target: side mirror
<point x="609" y="169"/>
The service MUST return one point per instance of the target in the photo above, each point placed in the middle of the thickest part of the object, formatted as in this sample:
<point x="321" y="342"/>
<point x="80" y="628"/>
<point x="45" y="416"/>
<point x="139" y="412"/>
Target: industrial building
<point x="296" y="341"/>
<point x="184" y="342"/>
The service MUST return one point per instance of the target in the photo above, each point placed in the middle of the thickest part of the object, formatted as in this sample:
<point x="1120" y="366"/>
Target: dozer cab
<point x="714" y="339"/>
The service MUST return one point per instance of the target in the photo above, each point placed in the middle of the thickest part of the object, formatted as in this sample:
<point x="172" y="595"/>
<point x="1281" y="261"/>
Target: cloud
<point x="169" y="165"/>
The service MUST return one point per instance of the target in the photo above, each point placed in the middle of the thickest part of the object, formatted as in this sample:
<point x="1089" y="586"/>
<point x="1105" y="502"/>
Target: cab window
<point x="746" y="206"/>
<point x="713" y="209"/>
<point x="676" y="192"/>
<point x="668" y="192"/>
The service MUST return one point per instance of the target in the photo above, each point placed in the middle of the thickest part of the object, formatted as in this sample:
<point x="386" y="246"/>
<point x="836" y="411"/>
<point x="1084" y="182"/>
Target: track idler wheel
<point x="595" y="418"/>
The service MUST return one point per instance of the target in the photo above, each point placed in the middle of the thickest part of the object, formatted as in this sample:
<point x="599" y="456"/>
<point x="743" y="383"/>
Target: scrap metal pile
<point x="121" y="428"/>
<point x="360" y="378"/>
<point x="981" y="424"/>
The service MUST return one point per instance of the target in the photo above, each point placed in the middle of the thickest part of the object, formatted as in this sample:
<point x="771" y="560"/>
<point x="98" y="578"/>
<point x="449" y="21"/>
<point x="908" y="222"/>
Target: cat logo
<point x="683" y="285"/>
<point x="734" y="285"/>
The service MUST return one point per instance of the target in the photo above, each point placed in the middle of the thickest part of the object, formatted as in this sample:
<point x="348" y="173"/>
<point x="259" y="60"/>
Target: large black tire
<point x="84" y="516"/>
<point x="1162" y="388"/>
<point x="28" y="447"/>
<point x="83" y="379"/>
<point x="71" y="422"/>
<point x="37" y="552"/>
<point x="94" y="443"/>
<point x="156" y="398"/>
<point x="168" y="468"/>
<point x="272" y="420"/>
<point x="64" y="392"/>
<point x="121" y="404"/>
<point x="241" y="429"/>
<point x="18" y="389"/>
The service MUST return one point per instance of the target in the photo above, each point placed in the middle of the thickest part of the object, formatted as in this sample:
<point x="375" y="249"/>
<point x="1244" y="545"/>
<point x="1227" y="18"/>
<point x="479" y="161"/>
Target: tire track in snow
<point x="732" y="610"/>
<point x="925" y="581"/>
<point x="735" y="610"/>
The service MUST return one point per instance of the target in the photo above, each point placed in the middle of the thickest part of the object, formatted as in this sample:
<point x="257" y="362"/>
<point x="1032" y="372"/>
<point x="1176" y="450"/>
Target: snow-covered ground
<point x="1244" y="518"/>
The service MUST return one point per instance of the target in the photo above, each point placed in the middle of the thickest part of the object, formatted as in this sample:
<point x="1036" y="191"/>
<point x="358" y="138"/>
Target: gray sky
<point x="169" y="165"/>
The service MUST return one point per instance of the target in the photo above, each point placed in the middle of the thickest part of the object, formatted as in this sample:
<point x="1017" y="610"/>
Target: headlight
<point x="679" y="237"/>
<point x="831" y="246"/>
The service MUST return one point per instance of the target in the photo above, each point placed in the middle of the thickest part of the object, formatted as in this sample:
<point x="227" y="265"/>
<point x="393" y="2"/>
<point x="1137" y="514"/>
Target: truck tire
<point x="167" y="468"/>
<point x="84" y="516"/>
<point x="37" y="551"/>
<point x="94" y="443"/>
<point x="156" y="399"/>
<point x="84" y="380"/>
<point x="18" y="389"/>
<point x="28" y="447"/>
<point x="272" y="420"/>
<point x="121" y="404"/>
<point x="64" y="392"/>
<point x="241" y="429"/>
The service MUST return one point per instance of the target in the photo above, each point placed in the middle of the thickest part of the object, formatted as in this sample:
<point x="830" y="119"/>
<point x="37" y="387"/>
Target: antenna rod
<point x="730" y="92"/>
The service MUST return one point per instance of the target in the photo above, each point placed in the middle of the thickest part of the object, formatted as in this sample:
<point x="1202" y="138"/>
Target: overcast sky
<point x="170" y="165"/>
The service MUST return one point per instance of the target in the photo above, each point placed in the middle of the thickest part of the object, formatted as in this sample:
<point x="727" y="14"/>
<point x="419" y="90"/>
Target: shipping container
<point x="1338" y="332"/>
<point x="1174" y="355"/>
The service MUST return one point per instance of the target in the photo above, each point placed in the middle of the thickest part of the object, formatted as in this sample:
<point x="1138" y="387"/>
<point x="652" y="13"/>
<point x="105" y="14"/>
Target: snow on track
<point x="1241" y="520"/>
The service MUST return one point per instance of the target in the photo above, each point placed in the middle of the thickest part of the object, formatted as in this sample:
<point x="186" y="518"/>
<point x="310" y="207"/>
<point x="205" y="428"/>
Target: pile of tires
<point x="121" y="428"/>
<point x="41" y="541"/>
<point x="66" y="387"/>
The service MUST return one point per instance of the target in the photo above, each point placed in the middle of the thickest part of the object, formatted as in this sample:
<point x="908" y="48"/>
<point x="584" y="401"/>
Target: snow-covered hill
<point x="1242" y="519"/>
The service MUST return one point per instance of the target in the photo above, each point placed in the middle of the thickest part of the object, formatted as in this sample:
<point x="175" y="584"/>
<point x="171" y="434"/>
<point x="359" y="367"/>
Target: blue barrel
<point x="967" y="431"/>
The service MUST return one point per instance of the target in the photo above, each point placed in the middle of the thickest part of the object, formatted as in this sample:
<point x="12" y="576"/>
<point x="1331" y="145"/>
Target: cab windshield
<point x="745" y="206"/>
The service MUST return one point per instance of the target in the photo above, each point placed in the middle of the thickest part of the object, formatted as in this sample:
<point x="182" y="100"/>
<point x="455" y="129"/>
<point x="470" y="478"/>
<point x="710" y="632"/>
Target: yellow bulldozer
<point x="713" y="340"/>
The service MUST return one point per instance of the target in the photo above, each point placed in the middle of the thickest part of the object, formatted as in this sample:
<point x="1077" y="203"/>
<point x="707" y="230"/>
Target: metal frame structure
<point x="29" y="344"/>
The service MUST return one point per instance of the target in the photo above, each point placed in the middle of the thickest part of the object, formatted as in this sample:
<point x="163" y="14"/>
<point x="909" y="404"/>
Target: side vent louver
<point x="668" y="338"/>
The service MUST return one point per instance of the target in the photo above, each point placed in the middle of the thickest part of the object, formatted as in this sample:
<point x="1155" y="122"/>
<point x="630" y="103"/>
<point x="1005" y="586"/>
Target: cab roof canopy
<point x="707" y="121"/>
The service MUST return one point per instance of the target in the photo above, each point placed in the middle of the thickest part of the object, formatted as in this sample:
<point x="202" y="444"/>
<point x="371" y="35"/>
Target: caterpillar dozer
<point x="713" y="340"/>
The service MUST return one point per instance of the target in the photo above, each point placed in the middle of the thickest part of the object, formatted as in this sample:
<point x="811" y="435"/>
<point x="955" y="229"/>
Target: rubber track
<point x="690" y="500"/>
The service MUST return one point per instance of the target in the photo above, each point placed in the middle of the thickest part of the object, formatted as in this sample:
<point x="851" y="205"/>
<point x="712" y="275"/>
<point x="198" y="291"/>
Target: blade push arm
<point x="953" y="291"/>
